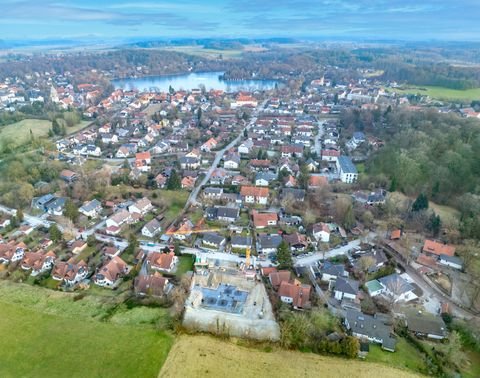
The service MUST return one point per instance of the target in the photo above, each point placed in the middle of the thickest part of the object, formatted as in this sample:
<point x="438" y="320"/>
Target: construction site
<point x="228" y="300"/>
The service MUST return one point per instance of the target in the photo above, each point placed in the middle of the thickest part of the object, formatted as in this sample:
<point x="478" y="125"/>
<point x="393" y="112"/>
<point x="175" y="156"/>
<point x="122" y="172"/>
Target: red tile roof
<point x="432" y="246"/>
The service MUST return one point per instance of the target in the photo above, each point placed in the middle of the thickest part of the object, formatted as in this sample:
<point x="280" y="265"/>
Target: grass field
<point x="404" y="357"/>
<point x="447" y="214"/>
<point x="19" y="132"/>
<point x="205" y="356"/>
<point x="441" y="93"/>
<point x="34" y="344"/>
<point x="207" y="53"/>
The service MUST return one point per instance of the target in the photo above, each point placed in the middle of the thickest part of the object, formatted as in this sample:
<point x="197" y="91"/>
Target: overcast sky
<point x="356" y="19"/>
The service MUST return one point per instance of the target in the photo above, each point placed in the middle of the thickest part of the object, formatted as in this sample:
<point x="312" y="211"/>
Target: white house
<point x="91" y="208"/>
<point x="451" y="261"/>
<point x="142" y="206"/>
<point x="321" y="232"/>
<point x="151" y="229"/>
<point x="345" y="288"/>
<point x="346" y="169"/>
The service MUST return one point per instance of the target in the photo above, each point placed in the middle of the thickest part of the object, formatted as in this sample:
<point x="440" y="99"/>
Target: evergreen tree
<point x="55" y="233"/>
<point x="393" y="185"/>
<point x="434" y="224"/>
<point x="56" y="129"/>
<point x="20" y="215"/>
<point x="284" y="256"/>
<point x="421" y="203"/>
<point x="174" y="182"/>
<point x="71" y="211"/>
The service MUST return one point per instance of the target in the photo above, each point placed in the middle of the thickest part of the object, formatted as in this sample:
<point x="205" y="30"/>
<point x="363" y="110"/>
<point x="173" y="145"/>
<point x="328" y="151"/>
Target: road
<point x="192" y="199"/>
<point x="30" y="219"/>
<point x="318" y="138"/>
<point x="343" y="250"/>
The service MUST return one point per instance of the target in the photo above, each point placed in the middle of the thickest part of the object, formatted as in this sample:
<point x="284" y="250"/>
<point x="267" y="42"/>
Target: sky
<point x="326" y="19"/>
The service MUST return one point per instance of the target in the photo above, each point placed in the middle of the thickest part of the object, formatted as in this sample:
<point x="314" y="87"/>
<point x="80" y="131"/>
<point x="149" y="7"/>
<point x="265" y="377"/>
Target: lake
<point x="211" y="80"/>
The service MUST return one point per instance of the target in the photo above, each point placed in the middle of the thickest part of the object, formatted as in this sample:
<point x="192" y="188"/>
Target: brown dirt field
<point x="206" y="356"/>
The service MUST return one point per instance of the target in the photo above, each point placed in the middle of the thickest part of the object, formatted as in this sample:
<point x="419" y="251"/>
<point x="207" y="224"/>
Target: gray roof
<point x="270" y="241"/>
<point x="153" y="225"/>
<point x="333" y="269"/>
<point x="213" y="190"/>
<point x="396" y="284"/>
<point x="91" y="205"/>
<point x="213" y="238"/>
<point x="426" y="324"/>
<point x="223" y="212"/>
<point x="242" y="240"/>
<point x="267" y="176"/>
<point x="452" y="259"/>
<point x="370" y="326"/>
<point x="346" y="285"/>
<point x="297" y="194"/>
<point x="347" y="165"/>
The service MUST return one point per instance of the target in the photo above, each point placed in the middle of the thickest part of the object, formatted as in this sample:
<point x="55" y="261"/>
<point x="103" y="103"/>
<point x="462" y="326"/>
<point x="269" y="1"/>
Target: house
<point x="38" y="262"/>
<point x="268" y="243"/>
<point x="260" y="164"/>
<point x="161" y="180"/>
<point x="223" y="213"/>
<point x="317" y="181"/>
<point x="91" y="208"/>
<point x="254" y="194"/>
<point x="78" y="246"/>
<point x="245" y="147"/>
<point x="188" y="182"/>
<point x="68" y="176"/>
<point x="375" y="329"/>
<point x="183" y="231"/>
<point x="142" y="206"/>
<point x="110" y="273"/>
<point x="330" y="155"/>
<point x="241" y="242"/>
<point x="213" y="193"/>
<point x="152" y="285"/>
<point x="331" y="271"/>
<point x="209" y="145"/>
<point x="290" y="182"/>
<point x="110" y="251"/>
<point x="346" y="169"/>
<point x="296" y="294"/>
<point x="56" y="206"/>
<point x="426" y="325"/>
<point x="396" y="234"/>
<point x="311" y="164"/>
<point x="321" y="232"/>
<point x="433" y="247"/>
<point x="345" y="288"/>
<point x="164" y="262"/>
<point x="374" y="288"/>
<point x="293" y="194"/>
<point x="151" y="229"/>
<point x="262" y="220"/>
<point x="119" y="218"/>
<point x="277" y="277"/>
<point x="11" y="253"/>
<point x="292" y="150"/>
<point x="264" y="178"/>
<point x="189" y="162"/>
<point x="297" y="242"/>
<point x="231" y="161"/>
<point x="451" y="261"/>
<point x="70" y="272"/>
<point x="396" y="287"/>
<point x="213" y="240"/>
<point x="378" y="257"/>
<point x="4" y="222"/>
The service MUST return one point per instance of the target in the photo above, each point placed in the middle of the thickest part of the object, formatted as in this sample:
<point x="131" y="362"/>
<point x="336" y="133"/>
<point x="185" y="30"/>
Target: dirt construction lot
<point x="205" y="356"/>
<point x="255" y="319"/>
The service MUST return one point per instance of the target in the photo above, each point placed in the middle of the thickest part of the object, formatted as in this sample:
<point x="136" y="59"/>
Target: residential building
<point x="91" y="208"/>
<point x="346" y="169"/>
<point x="151" y="229"/>
<point x="375" y="329"/>
<point x="109" y="274"/>
<point x="164" y="262"/>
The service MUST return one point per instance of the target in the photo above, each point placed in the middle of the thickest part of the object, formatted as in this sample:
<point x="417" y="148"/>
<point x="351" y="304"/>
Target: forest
<point x="435" y="154"/>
